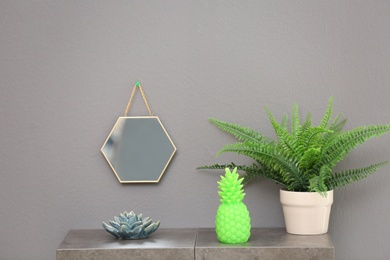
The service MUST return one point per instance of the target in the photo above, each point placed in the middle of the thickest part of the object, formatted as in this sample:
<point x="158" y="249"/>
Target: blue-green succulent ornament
<point x="131" y="226"/>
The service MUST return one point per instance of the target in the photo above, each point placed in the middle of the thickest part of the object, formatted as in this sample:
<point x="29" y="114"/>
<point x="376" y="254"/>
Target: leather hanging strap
<point x="137" y="85"/>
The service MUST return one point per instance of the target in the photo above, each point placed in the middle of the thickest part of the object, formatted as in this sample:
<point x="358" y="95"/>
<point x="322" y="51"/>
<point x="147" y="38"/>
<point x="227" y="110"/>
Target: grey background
<point x="67" y="69"/>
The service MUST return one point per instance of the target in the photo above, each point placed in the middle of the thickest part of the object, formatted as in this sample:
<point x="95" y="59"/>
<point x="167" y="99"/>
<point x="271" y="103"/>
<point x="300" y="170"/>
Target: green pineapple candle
<point x="232" y="223"/>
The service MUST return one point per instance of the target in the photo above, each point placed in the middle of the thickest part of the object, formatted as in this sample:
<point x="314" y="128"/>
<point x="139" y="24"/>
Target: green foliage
<point x="302" y="158"/>
<point x="344" y="178"/>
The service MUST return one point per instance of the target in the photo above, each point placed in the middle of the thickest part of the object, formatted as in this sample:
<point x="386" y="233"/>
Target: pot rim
<point x="305" y="199"/>
<point x="306" y="192"/>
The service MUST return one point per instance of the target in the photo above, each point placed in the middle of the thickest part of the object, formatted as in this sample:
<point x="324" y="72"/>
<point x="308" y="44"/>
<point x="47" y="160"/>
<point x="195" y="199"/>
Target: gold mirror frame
<point x="138" y="148"/>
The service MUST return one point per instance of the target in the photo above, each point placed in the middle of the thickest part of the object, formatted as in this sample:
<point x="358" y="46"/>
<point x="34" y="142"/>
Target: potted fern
<point x="301" y="160"/>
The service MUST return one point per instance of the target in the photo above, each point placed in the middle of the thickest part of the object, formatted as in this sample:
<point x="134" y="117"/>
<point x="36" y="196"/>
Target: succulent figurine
<point x="232" y="223"/>
<point x="131" y="226"/>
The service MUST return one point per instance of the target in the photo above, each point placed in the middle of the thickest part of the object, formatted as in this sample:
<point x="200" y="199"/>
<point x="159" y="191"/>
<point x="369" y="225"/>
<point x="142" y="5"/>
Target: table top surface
<point x="172" y="238"/>
<point x="266" y="237"/>
<point x="101" y="239"/>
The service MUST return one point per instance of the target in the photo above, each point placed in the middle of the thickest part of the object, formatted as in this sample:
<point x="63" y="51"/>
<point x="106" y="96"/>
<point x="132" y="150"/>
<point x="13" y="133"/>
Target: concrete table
<point x="164" y="244"/>
<point x="193" y="243"/>
<point x="264" y="243"/>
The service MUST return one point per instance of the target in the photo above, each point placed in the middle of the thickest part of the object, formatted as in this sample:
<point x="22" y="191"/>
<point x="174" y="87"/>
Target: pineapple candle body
<point x="232" y="223"/>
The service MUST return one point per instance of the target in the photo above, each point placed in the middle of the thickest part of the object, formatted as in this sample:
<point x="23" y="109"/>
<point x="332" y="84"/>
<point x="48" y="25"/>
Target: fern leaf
<point x="275" y="125"/>
<point x="334" y="130"/>
<point x="328" y="114"/>
<point x="309" y="158"/>
<point x="272" y="158"/>
<point x="285" y="139"/>
<point x="244" y="134"/>
<point x="229" y="166"/>
<point x="337" y="125"/>
<point x="283" y="125"/>
<point x="307" y="124"/>
<point x="217" y="167"/>
<point x="288" y="143"/>
<point x="344" y="178"/>
<point x="317" y="182"/>
<point x="251" y="172"/>
<point x="335" y="151"/>
<point x="310" y="139"/>
<point x="295" y="122"/>
<point x="254" y="171"/>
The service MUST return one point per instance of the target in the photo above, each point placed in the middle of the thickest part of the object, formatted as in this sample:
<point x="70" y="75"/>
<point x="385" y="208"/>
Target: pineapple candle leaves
<point x="232" y="223"/>
<point x="230" y="187"/>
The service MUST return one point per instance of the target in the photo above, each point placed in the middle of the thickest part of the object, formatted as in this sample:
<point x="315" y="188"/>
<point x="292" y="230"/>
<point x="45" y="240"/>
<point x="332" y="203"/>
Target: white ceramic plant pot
<point x="306" y="213"/>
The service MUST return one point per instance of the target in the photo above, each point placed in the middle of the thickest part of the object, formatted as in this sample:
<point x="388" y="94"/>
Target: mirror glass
<point x="138" y="149"/>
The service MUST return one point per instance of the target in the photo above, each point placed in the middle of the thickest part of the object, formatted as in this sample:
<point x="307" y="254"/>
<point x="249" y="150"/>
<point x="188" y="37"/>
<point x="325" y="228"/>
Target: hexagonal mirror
<point x="138" y="149"/>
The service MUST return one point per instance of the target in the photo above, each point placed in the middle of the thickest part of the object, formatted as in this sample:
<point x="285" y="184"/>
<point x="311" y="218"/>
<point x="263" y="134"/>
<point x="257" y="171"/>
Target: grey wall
<point x="67" y="69"/>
